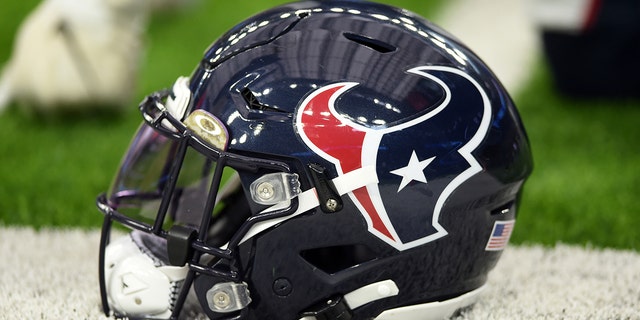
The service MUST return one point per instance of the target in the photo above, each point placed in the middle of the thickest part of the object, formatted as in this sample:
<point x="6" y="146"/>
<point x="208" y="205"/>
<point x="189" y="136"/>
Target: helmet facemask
<point x="180" y="191"/>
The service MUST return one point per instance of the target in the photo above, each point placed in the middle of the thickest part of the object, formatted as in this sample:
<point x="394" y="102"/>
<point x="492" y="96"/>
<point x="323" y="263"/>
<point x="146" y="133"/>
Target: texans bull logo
<point x="419" y="163"/>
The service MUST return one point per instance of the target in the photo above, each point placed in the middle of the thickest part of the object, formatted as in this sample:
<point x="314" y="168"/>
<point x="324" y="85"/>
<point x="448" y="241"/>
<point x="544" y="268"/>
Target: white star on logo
<point x="413" y="171"/>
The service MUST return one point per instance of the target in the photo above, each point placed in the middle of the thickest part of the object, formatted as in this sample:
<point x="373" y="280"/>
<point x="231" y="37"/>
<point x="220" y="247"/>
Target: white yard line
<point x="565" y="282"/>
<point x="53" y="274"/>
<point x="49" y="274"/>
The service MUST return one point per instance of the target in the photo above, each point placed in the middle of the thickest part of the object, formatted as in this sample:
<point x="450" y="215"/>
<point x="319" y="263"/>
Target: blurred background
<point x="584" y="189"/>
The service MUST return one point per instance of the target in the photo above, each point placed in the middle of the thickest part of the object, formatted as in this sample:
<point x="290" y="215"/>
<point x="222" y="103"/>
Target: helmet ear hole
<point x="505" y="209"/>
<point x="338" y="258"/>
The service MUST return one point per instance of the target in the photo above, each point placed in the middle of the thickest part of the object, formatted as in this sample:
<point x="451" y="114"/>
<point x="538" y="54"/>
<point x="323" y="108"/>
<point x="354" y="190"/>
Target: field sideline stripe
<point x="52" y="274"/>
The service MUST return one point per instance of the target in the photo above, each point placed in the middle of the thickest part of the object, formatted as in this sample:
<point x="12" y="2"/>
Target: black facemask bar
<point x="161" y="120"/>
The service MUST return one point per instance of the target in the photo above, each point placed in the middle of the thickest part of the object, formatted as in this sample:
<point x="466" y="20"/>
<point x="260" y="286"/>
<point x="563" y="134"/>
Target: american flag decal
<point x="500" y="235"/>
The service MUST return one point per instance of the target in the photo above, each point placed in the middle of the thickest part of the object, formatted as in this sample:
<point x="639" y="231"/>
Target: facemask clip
<point x="228" y="297"/>
<point x="275" y="188"/>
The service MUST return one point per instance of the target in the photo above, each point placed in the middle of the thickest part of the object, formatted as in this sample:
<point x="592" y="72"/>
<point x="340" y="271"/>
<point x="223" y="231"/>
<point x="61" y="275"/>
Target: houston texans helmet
<point x="325" y="160"/>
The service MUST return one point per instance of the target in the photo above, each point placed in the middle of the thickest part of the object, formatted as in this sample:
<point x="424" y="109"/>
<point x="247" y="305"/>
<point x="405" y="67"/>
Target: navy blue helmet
<point x="325" y="160"/>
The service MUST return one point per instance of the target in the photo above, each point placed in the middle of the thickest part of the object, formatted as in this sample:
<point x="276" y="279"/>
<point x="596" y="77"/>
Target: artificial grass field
<point x="584" y="188"/>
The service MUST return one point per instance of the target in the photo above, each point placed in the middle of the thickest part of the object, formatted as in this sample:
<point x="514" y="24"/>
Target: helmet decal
<point x="406" y="155"/>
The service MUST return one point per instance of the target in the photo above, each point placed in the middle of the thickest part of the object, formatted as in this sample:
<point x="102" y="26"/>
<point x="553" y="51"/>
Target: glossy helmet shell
<point x="342" y="85"/>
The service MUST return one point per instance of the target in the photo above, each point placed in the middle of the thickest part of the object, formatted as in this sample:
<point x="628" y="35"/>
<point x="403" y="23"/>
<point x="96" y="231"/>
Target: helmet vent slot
<point x="374" y="44"/>
<point x="251" y="99"/>
<point x="504" y="209"/>
<point x="253" y="103"/>
<point x="335" y="259"/>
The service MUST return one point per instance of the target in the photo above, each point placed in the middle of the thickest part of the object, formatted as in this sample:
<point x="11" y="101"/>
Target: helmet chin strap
<point x="309" y="199"/>
<point x="432" y="310"/>
<point x="343" y="306"/>
<point x="136" y="285"/>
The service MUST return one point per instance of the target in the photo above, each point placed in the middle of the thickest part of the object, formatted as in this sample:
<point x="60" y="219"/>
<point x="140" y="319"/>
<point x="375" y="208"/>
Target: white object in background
<point x="563" y="15"/>
<point x="500" y="32"/>
<point x="76" y="54"/>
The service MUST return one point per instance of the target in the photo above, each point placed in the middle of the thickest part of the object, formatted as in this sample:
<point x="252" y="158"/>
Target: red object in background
<point x="593" y="47"/>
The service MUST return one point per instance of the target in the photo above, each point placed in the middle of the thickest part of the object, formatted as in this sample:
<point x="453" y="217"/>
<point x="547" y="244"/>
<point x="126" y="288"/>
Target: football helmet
<point x="325" y="160"/>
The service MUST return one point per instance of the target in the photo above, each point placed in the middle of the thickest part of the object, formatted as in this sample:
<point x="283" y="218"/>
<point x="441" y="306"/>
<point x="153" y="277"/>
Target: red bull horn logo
<point x="408" y="156"/>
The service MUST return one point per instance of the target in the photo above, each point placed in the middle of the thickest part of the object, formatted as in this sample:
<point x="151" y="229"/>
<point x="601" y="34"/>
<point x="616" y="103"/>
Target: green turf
<point x="586" y="179"/>
<point x="583" y="190"/>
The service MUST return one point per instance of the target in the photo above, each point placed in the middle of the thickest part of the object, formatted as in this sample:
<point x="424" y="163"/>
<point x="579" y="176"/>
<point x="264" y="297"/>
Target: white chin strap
<point x="135" y="285"/>
<point x="437" y="310"/>
<point x="308" y="200"/>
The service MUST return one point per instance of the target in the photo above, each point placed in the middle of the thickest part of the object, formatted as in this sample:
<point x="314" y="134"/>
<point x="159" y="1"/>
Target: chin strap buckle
<point x="335" y="308"/>
<point x="228" y="297"/>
